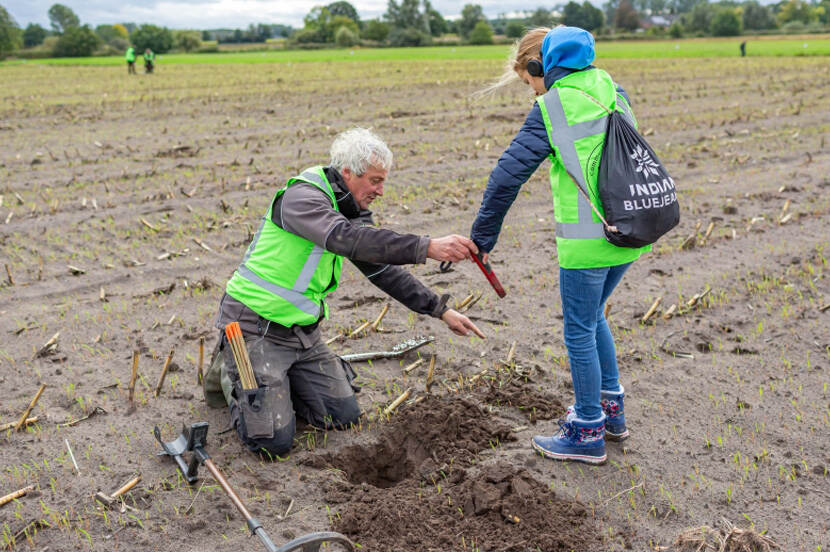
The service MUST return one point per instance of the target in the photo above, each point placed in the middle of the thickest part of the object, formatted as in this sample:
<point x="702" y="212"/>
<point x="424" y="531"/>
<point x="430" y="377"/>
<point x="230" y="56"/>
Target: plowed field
<point x="128" y="202"/>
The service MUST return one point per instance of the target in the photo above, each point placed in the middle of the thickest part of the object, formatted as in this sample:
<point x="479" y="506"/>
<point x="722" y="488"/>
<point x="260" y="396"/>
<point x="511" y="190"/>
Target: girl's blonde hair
<point x="525" y="49"/>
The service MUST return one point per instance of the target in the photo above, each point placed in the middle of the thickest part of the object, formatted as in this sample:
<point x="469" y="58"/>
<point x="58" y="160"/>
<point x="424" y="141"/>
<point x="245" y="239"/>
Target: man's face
<point x="366" y="187"/>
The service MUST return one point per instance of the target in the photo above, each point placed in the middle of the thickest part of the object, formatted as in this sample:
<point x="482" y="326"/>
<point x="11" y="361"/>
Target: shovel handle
<point x="217" y="475"/>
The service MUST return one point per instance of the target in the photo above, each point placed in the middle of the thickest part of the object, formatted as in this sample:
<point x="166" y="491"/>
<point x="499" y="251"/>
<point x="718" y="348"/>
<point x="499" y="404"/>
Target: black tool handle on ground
<point x="263" y="536"/>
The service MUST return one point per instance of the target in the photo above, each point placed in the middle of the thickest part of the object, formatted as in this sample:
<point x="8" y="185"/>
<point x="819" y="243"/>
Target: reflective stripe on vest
<point x="310" y="266"/>
<point x="563" y="136"/>
<point x="295" y="294"/>
<point x="297" y="299"/>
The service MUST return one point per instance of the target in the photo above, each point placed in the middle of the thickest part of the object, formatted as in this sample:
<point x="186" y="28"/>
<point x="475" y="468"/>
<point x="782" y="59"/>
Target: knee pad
<point x="347" y="413"/>
<point x="279" y="444"/>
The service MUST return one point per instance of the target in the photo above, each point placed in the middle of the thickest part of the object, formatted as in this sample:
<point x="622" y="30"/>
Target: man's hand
<point x="460" y="324"/>
<point x="452" y="248"/>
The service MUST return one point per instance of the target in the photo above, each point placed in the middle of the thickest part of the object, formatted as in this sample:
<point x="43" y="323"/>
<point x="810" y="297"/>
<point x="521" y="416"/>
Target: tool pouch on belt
<point x="255" y="417"/>
<point x="212" y="380"/>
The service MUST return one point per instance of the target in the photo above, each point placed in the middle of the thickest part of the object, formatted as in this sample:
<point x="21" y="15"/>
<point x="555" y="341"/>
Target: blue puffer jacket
<point x="518" y="162"/>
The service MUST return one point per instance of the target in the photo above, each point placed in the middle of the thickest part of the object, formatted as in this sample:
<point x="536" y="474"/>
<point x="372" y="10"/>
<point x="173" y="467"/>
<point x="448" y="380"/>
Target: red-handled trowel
<point x="491" y="276"/>
<point x="446" y="266"/>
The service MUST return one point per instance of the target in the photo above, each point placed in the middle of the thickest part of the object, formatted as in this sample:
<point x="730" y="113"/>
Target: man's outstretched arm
<point x="407" y="289"/>
<point x="306" y="211"/>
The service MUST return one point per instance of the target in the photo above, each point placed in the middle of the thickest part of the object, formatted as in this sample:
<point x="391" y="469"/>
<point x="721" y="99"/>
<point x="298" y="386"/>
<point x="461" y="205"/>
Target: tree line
<point x="68" y="37"/>
<point x="418" y="23"/>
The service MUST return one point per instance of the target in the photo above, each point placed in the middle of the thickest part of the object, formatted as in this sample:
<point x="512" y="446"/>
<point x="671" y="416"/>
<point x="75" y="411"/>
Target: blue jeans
<point x="590" y="346"/>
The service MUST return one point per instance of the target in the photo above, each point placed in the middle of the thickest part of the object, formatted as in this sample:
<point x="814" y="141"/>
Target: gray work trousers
<point x="314" y="383"/>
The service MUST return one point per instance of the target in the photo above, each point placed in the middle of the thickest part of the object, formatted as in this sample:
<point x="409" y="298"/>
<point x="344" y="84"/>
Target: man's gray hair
<point x="358" y="149"/>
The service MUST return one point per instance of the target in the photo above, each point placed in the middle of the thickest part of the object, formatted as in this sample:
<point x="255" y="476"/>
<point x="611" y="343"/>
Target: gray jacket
<point x="306" y="211"/>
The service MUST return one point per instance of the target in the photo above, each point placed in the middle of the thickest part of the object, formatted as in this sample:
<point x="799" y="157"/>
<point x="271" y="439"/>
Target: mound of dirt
<point x="426" y="437"/>
<point x="415" y="488"/>
<point x="535" y="405"/>
<point x="500" y="507"/>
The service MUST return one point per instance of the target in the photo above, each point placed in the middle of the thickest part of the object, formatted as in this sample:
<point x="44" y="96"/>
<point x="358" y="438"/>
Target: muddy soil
<point x="127" y="203"/>
<point x="500" y="507"/>
<point x="417" y="486"/>
<point x="518" y="391"/>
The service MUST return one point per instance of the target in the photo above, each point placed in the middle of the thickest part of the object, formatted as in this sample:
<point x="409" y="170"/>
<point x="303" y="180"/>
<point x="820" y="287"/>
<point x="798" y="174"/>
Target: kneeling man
<point x="278" y="294"/>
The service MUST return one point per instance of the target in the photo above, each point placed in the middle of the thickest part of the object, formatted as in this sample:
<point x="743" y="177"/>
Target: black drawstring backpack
<point x="637" y="193"/>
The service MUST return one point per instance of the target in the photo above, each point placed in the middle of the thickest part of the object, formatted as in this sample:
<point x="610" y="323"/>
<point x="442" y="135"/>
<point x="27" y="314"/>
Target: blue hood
<point x="569" y="47"/>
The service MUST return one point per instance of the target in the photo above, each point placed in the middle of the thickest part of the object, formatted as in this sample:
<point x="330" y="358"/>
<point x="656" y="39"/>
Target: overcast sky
<point x="213" y="14"/>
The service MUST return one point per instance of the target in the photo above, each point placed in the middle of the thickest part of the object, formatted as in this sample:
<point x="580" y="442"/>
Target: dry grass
<point x="728" y="538"/>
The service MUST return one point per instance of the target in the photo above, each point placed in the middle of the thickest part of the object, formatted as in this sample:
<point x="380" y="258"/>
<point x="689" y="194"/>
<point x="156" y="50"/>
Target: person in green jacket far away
<point x="149" y="60"/>
<point x="130" y="57"/>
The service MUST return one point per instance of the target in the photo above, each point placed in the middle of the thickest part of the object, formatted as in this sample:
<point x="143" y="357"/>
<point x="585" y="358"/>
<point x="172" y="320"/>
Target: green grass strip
<point x="815" y="45"/>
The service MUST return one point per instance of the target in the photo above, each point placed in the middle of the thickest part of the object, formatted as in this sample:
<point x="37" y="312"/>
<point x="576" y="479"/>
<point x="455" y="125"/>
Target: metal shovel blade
<point x="194" y="436"/>
<point x="171" y="448"/>
<point x="398" y="350"/>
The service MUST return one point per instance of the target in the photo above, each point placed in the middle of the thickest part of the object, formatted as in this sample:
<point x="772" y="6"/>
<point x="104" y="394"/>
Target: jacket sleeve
<point x="306" y="211"/>
<point x="402" y="286"/>
<point x="359" y="241"/>
<point x="519" y="161"/>
<point x="624" y="94"/>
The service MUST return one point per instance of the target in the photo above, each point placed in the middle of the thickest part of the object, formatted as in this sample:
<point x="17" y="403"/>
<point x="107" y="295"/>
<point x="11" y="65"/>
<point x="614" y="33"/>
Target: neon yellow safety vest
<point x="284" y="277"/>
<point x="576" y="130"/>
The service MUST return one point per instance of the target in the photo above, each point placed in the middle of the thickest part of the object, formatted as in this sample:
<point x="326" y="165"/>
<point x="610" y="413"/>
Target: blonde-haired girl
<point x="567" y="124"/>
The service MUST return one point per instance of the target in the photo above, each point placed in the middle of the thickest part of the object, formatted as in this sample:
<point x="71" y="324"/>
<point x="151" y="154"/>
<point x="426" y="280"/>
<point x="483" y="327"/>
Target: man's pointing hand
<point x="460" y="324"/>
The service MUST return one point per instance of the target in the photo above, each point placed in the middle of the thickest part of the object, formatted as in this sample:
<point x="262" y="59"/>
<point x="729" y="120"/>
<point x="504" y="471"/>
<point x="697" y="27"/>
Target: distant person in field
<point x="130" y="57"/>
<point x="567" y="124"/>
<point x="278" y="294"/>
<point x="743" y="48"/>
<point x="149" y="60"/>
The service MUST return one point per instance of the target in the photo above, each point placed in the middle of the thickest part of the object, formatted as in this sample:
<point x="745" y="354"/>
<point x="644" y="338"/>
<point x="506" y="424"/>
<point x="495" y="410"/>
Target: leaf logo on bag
<point x="645" y="164"/>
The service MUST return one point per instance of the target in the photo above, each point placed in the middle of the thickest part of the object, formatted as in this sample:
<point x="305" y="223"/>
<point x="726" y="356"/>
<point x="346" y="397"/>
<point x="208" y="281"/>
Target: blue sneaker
<point x="612" y="403"/>
<point x="612" y="406"/>
<point x="577" y="440"/>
